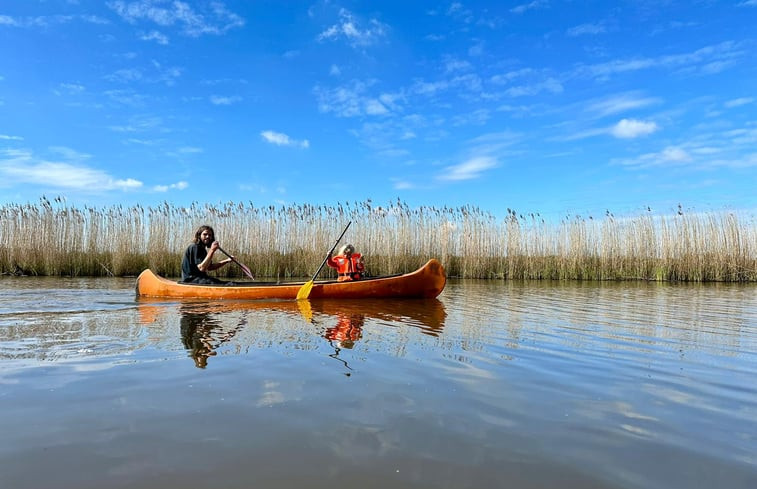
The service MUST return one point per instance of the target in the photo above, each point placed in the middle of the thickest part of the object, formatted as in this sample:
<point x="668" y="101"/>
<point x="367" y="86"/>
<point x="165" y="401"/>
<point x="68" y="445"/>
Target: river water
<point x="495" y="384"/>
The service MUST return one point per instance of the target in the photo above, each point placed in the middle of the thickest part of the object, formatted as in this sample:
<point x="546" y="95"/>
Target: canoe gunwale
<point x="276" y="284"/>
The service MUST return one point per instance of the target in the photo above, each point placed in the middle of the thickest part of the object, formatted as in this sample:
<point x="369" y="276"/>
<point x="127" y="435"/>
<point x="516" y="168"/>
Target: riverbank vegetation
<point x="53" y="238"/>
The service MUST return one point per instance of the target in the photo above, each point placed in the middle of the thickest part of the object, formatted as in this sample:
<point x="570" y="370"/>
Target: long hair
<point x="201" y="229"/>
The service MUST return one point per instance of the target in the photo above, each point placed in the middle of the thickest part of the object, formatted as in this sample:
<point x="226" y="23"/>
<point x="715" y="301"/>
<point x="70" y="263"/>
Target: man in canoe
<point x="198" y="259"/>
<point x="349" y="265"/>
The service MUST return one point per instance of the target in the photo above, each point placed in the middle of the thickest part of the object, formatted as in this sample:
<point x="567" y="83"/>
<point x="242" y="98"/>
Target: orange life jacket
<point x="351" y="268"/>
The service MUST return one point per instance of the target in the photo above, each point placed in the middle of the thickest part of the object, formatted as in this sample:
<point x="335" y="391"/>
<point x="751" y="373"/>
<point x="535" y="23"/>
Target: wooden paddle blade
<point x="304" y="291"/>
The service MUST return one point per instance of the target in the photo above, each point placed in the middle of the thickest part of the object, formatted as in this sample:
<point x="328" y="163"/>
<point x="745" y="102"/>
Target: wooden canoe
<point x="428" y="281"/>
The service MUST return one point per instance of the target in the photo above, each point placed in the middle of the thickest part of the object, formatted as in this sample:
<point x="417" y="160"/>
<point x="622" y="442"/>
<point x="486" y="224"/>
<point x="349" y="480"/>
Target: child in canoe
<point x="349" y="265"/>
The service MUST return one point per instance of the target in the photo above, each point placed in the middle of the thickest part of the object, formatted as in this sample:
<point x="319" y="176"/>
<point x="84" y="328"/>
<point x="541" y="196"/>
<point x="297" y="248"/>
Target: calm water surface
<point x="495" y="384"/>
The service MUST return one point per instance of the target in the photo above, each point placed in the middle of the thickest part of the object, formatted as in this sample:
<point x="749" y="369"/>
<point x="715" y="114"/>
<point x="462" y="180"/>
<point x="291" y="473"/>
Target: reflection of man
<point x="196" y="330"/>
<point x="348" y="329"/>
<point x="202" y="333"/>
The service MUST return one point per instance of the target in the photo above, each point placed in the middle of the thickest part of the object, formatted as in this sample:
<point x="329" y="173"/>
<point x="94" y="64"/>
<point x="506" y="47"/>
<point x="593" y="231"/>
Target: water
<point x="495" y="384"/>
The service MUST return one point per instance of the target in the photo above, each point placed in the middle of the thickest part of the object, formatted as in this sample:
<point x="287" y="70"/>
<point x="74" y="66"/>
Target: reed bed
<point x="54" y="238"/>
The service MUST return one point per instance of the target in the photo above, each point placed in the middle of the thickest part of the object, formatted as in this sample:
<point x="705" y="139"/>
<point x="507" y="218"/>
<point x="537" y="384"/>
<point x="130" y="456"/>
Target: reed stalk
<point x="54" y="238"/>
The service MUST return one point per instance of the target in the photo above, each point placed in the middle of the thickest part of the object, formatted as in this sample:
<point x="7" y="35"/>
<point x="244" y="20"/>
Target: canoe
<point x="428" y="281"/>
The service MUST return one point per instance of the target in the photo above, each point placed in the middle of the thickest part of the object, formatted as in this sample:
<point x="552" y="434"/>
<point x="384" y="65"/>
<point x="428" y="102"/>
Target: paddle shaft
<point x="243" y="267"/>
<point x="330" y="252"/>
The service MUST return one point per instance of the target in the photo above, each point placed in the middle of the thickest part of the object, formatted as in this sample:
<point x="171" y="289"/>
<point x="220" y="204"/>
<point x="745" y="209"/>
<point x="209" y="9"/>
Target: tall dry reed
<point x="53" y="238"/>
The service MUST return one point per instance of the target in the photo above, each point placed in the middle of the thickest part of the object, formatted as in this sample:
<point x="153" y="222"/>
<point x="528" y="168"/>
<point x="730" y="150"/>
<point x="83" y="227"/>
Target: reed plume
<point x="54" y="238"/>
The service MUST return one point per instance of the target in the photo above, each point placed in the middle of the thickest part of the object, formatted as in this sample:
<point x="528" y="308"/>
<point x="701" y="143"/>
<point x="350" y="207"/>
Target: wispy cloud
<point x="352" y="100"/>
<point x="49" y="20"/>
<point x="154" y="36"/>
<point x="402" y="185"/>
<point x="706" y="60"/>
<point x="126" y="97"/>
<point x="455" y="64"/>
<point x="138" y="124"/>
<point x="671" y="155"/>
<point x="632" y="128"/>
<point x="494" y="143"/>
<point x="618" y="103"/>
<point x="225" y="100"/>
<point x="550" y="85"/>
<point x="194" y="21"/>
<point x="22" y="167"/>
<point x="351" y="29"/>
<point x="536" y="4"/>
<point x="153" y="73"/>
<point x="174" y="186"/>
<point x="69" y="89"/>
<point x="6" y="137"/>
<point x="587" y="29"/>
<point x="281" y="139"/>
<point x="738" y="102"/>
<point x="468" y="170"/>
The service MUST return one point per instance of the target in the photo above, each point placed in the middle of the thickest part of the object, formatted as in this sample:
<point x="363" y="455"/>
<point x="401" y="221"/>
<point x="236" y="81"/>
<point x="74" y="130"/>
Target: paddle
<point x="244" y="268"/>
<point x="304" y="291"/>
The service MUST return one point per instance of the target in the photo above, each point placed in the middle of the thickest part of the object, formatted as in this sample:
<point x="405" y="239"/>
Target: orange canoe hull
<point x="428" y="281"/>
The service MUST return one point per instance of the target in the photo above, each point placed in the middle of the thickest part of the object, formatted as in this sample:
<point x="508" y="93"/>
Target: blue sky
<point x="540" y="106"/>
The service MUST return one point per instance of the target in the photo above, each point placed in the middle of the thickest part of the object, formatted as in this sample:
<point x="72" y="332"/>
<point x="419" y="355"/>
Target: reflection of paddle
<point x="304" y="291"/>
<point x="243" y="267"/>
<point x="305" y="310"/>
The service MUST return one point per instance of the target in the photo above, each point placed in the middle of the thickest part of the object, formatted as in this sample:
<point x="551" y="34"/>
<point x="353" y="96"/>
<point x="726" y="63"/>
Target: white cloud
<point x="374" y="107"/>
<point x="19" y="167"/>
<point x="155" y="73"/>
<point x="708" y="60"/>
<point x="154" y="36"/>
<point x="586" y="29"/>
<point x="620" y="103"/>
<point x="353" y="101"/>
<point x="141" y="124"/>
<point x="671" y="155"/>
<point x="225" y="100"/>
<point x="737" y="102"/>
<point x="48" y="20"/>
<point x="210" y="18"/>
<point x="632" y="128"/>
<point x="281" y="139"/>
<point x="549" y="85"/>
<point x="468" y="170"/>
<point x="11" y="138"/>
<point x="511" y="75"/>
<point x="674" y="153"/>
<point x="519" y="9"/>
<point x="356" y="35"/>
<point x="69" y="88"/>
<point x="174" y="186"/>
<point x="454" y="64"/>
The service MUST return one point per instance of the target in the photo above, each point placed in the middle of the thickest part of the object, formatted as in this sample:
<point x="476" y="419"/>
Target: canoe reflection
<point x="205" y="326"/>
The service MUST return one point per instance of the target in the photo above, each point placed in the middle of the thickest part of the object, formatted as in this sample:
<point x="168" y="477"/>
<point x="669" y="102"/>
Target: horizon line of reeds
<point x="53" y="238"/>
